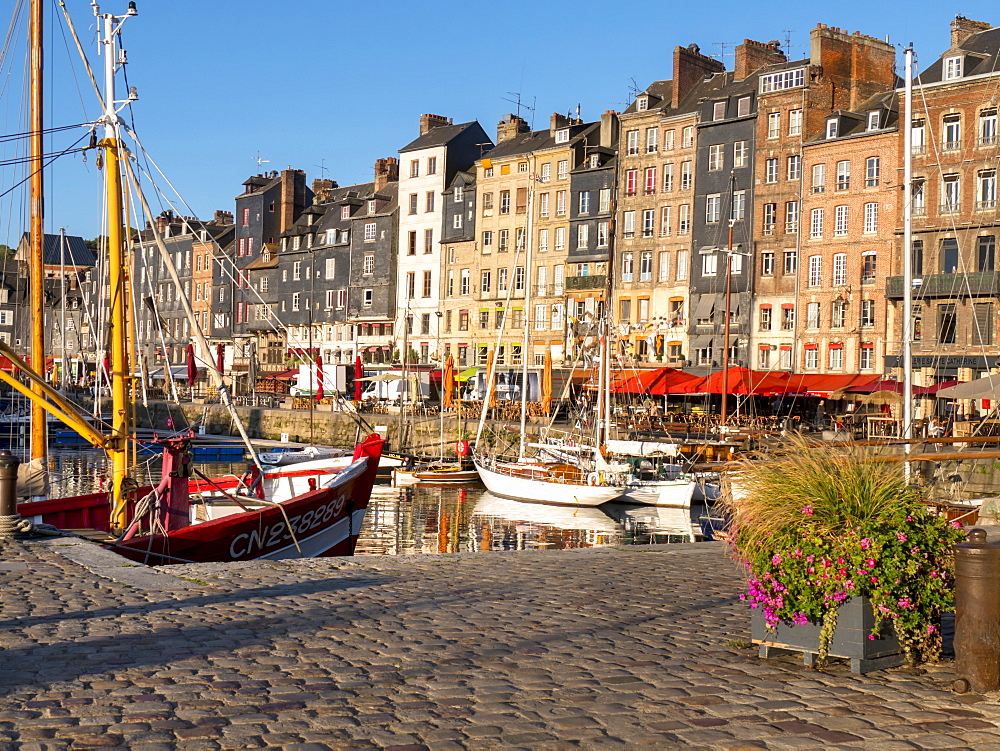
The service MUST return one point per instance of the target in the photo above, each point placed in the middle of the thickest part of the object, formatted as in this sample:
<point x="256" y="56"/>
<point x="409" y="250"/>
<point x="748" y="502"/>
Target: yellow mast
<point x="36" y="240"/>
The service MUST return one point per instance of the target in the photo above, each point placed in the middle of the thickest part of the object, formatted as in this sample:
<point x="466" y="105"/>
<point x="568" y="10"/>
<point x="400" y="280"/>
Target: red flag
<point x="107" y="366"/>
<point x="319" y="377"/>
<point x="220" y="357"/>
<point x="191" y="366"/>
<point x="358" y="373"/>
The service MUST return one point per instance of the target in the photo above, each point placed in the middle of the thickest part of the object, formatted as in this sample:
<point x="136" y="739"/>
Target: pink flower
<point x="870" y="563"/>
<point x="909" y="518"/>
<point x="901" y="537"/>
<point x="807" y="510"/>
<point x="775" y="559"/>
<point x="874" y="580"/>
<point x="866" y="543"/>
<point x="871" y="636"/>
<point x="957" y="525"/>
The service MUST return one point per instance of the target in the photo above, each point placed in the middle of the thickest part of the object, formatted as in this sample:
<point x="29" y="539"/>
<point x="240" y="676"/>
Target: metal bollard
<point x="9" y="518"/>
<point x="977" y="614"/>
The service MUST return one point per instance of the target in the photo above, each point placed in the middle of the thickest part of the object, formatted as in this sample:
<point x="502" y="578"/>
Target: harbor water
<point x="424" y="519"/>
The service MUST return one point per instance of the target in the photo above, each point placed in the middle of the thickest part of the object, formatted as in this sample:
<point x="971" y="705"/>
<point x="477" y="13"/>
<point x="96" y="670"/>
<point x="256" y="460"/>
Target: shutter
<point x="982" y="332"/>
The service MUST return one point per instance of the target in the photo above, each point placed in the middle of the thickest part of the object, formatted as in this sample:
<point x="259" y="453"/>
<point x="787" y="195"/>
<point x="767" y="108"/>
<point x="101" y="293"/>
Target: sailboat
<point x="186" y="517"/>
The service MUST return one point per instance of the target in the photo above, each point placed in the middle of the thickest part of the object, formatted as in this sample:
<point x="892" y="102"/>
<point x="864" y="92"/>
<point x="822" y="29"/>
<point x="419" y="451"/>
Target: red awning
<point x="877" y="385"/>
<point x="286" y="375"/>
<point x="741" y="381"/>
<point x="654" y="382"/>
<point x="823" y="384"/>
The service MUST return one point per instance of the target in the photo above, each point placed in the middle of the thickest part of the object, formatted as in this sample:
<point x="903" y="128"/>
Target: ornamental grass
<point x="819" y="525"/>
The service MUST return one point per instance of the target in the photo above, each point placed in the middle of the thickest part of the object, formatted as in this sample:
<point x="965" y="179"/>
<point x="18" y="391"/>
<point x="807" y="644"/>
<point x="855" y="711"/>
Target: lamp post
<point x="440" y="315"/>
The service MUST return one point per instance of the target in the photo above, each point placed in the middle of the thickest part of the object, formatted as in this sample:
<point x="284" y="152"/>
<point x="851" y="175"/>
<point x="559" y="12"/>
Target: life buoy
<point x="462" y="448"/>
<point x="593" y="480"/>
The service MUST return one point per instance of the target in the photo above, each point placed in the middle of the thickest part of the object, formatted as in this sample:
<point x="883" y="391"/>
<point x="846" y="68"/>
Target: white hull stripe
<point x="318" y="543"/>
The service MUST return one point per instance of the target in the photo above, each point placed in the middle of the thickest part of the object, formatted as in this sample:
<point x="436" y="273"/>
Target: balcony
<point x="585" y="282"/>
<point x="985" y="205"/>
<point x="948" y="285"/>
<point x="951" y="146"/>
<point x="986" y="141"/>
<point x="950" y="208"/>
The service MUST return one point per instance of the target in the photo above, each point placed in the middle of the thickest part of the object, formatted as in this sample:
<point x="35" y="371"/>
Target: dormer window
<point x="345" y="212"/>
<point x="952" y="68"/>
<point x="459" y="194"/>
<point x="265" y="255"/>
<point x="873" y="120"/>
<point x="595" y="161"/>
<point x="642" y="103"/>
<point x="284" y="244"/>
<point x="562" y="135"/>
<point x="831" y="128"/>
<point x="296" y="242"/>
<point x="371" y="207"/>
<point x="719" y="110"/>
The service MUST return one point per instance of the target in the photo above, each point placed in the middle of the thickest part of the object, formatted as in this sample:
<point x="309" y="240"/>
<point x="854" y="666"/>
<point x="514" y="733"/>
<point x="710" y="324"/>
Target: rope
<point x="12" y="527"/>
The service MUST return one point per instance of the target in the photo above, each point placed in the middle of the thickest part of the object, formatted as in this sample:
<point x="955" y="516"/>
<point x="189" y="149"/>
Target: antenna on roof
<point x="788" y="41"/>
<point x="259" y="160"/>
<point x="518" y="103"/>
<point x="722" y="53"/>
<point x="322" y="168"/>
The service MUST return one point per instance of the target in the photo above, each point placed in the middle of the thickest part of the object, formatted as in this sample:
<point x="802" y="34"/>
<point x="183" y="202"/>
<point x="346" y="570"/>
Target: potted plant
<point x="834" y="536"/>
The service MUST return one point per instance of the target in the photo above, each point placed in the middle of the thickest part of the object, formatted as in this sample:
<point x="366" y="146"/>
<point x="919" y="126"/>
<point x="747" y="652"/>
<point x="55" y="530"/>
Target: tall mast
<point x="725" y="323"/>
<point x="117" y="446"/>
<point x="526" y="335"/>
<point x="64" y="374"/>
<point x="36" y="255"/>
<point x="908" y="252"/>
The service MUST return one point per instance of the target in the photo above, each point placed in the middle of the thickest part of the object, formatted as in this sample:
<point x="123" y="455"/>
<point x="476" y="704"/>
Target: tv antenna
<point x="722" y="48"/>
<point x="259" y="160"/>
<point x="322" y="168"/>
<point x="518" y="103"/>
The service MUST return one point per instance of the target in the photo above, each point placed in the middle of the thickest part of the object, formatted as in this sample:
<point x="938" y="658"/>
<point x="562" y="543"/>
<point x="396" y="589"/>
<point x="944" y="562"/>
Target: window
<point x="764" y="321"/>
<point x="872" y="170"/>
<point x="836" y="356"/>
<point x="543" y="205"/>
<point x="982" y="329"/>
<point x="411" y="243"/>
<point x="502" y="274"/>
<point x="631" y="178"/>
<point x="839" y="269"/>
<point x="687" y="137"/>
<point x="504" y="201"/>
<point x="605" y="200"/>
<point x="628" y="224"/>
<point x="741" y="154"/>
<point x="296" y="271"/>
<point x="871" y="218"/>
<point x="868" y="265"/>
<point x="296" y="299"/>
<point x="794" y="167"/>
<point x="715" y="157"/>
<point x="867" y="357"/>
<point x="331" y="268"/>
<point x="713" y="206"/>
<point x="949" y="256"/>
<point x="867" y="313"/>
<point x="646" y="266"/>
<point x="684" y="219"/>
<point x="559" y="280"/>
<point x="685" y="175"/>
<point x="245" y="217"/>
<point x="428" y="241"/>
<point x="456" y="221"/>
<point x="682" y="264"/>
<point x="663" y="266"/>
<point x="774" y="125"/>
<point x="843" y="175"/>
<point x="770" y="213"/>
<point x="668" y="177"/>
<point x="370" y="231"/>
<point x="986" y="253"/>
<point x="952" y="133"/>
<point x="560" y="238"/>
<point x="541" y="312"/>
<point x="767" y="263"/>
<point x="627" y="267"/>
<point x="583" y="205"/>
<point x="487" y="277"/>
<point x="743" y="106"/>
<point x="665" y="220"/>
<point x="788" y="317"/>
<point x="873" y="120"/>
<point x="427" y="284"/>
<point x="650" y="180"/>
<point x="838" y="314"/>
<point x="502" y="238"/>
<point x="719" y="110"/>
<point x="519" y="278"/>
<point x="791" y="217"/>
<point x="648" y="222"/>
<point x="652" y="140"/>
<point x="811" y="357"/>
<point x="950" y="194"/>
<point x="411" y="284"/>
<point x="429" y="201"/>
<point x="368" y="265"/>
<point x="543" y="241"/>
<point x="816" y="223"/>
<point x="818" y="178"/>
<point x="738" y="208"/>
<point x="791" y="261"/>
<point x="812" y="315"/>
<point x="522" y="167"/>
<point x="786" y="79"/>
<point x="562" y="170"/>
<point x="602" y="234"/>
<point x="815" y="271"/>
<point x="625" y="309"/>
<point x="987" y="127"/>
<point x="952" y="67"/>
<point x="917" y="257"/>
<point x="918" y="204"/>
<point x="561" y="203"/>
<point x="582" y="235"/>
<point x="795" y="123"/>
<point x="562" y="135"/>
<point x="459" y="194"/>
<point x="709" y="264"/>
<point x="771" y="170"/>
<point x="987" y="189"/>
<point x="840" y="221"/>
<point x="413" y="203"/>
<point x="632" y="142"/>
<point x="415" y="168"/>
<point x="669" y="136"/>
<point x="764" y="357"/>
<point x="541" y="282"/>
<point x="831" y="128"/>
<point x="919" y="137"/>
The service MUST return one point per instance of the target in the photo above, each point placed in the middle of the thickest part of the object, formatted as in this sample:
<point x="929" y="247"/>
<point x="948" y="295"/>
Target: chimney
<point x="223" y="217"/>
<point x="690" y="67"/>
<point x="510" y="126"/>
<point x="962" y="28"/>
<point x="558" y="121"/>
<point x="609" y="129"/>
<point x="427" y="122"/>
<point x="853" y="66"/>
<point x="321" y="188"/>
<point x="163" y="221"/>
<point x="293" y="198"/>
<point x="751" y="56"/>
<point x="386" y="171"/>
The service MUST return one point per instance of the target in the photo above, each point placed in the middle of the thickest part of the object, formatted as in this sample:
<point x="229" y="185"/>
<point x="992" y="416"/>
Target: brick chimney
<point x="510" y="126"/>
<point x="558" y="121"/>
<point x="293" y="198"/>
<point x="386" y="171"/>
<point x="962" y="28"/>
<point x="854" y="66"/>
<point x="164" y="220"/>
<point x="690" y="66"/>
<point x="427" y="122"/>
<point x="609" y="128"/>
<point x="321" y="188"/>
<point x="223" y="217"/>
<point x="751" y="56"/>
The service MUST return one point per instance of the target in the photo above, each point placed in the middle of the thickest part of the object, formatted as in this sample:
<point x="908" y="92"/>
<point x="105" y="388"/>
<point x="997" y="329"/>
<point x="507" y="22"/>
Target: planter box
<point x="855" y="621"/>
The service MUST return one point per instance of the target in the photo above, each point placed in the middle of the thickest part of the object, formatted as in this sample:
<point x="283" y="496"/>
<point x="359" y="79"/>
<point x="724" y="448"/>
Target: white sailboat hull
<point x="670" y="493"/>
<point x="545" y="491"/>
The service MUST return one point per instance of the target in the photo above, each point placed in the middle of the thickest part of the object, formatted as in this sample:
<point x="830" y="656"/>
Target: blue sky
<point x="339" y="84"/>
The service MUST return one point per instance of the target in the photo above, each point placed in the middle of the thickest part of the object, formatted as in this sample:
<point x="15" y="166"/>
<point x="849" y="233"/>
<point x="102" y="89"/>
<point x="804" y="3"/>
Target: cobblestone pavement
<point x="601" y="648"/>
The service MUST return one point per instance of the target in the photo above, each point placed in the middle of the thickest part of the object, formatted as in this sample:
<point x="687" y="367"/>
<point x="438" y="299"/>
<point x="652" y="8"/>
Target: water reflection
<point x="424" y="519"/>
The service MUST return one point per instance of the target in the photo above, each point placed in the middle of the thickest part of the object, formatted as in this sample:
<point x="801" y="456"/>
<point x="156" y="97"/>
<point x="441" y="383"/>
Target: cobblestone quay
<point x="630" y="647"/>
